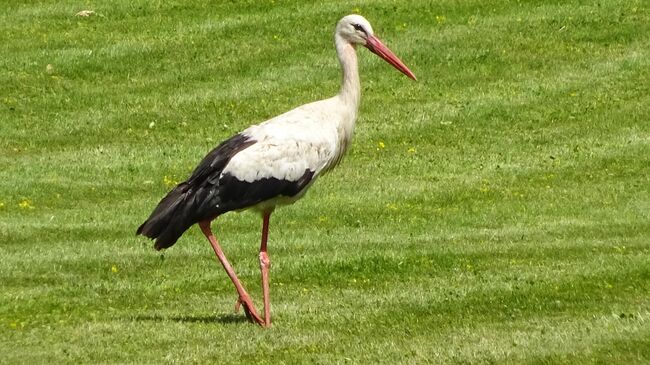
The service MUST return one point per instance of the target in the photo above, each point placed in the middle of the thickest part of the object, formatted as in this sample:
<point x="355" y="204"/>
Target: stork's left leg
<point x="265" y="263"/>
<point x="244" y="298"/>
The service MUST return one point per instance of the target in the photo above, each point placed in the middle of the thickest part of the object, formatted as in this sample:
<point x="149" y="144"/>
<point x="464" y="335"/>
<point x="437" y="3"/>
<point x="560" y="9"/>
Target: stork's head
<point x="355" y="29"/>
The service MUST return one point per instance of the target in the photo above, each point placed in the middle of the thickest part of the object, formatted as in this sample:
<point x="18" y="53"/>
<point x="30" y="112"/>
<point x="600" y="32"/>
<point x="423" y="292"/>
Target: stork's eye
<point x="358" y="27"/>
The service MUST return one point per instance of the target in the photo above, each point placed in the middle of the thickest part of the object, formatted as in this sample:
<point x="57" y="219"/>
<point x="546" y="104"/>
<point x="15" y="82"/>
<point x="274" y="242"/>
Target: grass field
<point x="495" y="211"/>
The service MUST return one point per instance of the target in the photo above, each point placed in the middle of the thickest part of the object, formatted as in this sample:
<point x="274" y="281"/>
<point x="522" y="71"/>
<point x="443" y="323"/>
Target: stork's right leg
<point x="244" y="298"/>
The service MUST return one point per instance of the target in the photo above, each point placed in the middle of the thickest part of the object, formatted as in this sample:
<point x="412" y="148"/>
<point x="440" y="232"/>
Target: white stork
<point x="272" y="163"/>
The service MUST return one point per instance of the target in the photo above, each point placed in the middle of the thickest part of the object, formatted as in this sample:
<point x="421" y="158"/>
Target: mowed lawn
<point x="495" y="211"/>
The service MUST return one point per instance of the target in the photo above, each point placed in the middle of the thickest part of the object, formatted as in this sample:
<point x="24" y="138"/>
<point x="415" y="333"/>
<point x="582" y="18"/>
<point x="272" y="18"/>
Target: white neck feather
<point x="350" y="92"/>
<point x="348" y="97"/>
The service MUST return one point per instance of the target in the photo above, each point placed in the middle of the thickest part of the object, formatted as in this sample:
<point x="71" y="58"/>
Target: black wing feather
<point x="177" y="211"/>
<point x="208" y="193"/>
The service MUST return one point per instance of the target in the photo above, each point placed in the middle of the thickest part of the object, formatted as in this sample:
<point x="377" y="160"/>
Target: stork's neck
<point x="350" y="92"/>
<point x="347" y="100"/>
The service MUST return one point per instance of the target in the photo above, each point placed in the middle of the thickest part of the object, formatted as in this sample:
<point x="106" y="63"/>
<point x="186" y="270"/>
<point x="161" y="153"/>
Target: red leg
<point x="244" y="298"/>
<point x="265" y="263"/>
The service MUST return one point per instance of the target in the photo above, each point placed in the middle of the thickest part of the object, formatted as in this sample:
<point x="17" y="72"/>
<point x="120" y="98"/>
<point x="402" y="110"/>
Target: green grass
<point x="506" y="219"/>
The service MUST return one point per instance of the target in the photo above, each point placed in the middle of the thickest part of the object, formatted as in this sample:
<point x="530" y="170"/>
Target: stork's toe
<point x="249" y="310"/>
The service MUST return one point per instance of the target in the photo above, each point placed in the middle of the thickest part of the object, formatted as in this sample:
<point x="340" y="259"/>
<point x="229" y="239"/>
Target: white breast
<point x="305" y="138"/>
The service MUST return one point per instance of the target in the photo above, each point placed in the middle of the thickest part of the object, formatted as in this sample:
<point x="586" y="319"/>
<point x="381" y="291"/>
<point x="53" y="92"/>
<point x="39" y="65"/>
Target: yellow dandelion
<point x="381" y="145"/>
<point x="485" y="186"/>
<point x="114" y="268"/>
<point x="169" y="181"/>
<point x="26" y="204"/>
<point x="412" y="150"/>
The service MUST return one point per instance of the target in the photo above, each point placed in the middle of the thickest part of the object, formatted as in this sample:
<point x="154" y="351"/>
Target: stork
<point x="270" y="164"/>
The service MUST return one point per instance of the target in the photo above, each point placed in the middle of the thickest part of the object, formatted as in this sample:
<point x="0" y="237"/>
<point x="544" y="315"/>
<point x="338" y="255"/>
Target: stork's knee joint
<point x="264" y="260"/>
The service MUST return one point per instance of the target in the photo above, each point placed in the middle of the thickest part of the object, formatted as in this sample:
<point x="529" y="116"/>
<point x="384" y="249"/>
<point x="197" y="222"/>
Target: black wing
<point x="180" y="208"/>
<point x="208" y="193"/>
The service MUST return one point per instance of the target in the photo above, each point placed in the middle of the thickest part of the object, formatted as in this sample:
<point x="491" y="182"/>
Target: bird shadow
<point x="206" y="319"/>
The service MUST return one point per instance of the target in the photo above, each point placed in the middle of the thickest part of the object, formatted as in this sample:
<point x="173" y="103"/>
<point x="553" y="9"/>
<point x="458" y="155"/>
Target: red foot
<point x="249" y="310"/>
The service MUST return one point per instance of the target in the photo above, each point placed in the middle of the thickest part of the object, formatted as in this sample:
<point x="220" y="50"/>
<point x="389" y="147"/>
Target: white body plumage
<point x="311" y="137"/>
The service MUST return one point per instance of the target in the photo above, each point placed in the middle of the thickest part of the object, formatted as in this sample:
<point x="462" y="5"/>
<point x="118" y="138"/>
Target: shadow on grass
<point x="223" y="319"/>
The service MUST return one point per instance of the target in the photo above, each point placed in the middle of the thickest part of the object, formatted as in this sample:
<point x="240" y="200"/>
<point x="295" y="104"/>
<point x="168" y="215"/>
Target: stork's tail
<point x="171" y="218"/>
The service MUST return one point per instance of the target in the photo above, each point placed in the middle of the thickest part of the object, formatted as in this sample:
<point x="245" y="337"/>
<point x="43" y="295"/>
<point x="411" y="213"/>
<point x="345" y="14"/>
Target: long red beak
<point x="378" y="48"/>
